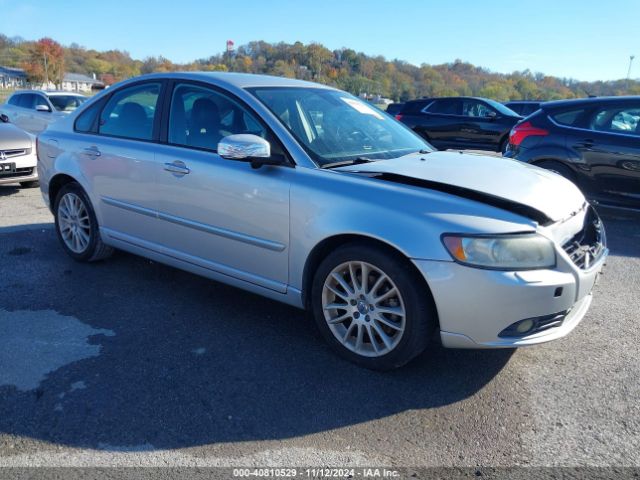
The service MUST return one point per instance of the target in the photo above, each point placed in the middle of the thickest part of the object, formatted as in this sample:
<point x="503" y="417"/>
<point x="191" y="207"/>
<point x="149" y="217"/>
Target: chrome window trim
<point x="589" y="130"/>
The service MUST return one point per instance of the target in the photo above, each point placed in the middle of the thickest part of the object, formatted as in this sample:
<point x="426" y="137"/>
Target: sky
<point x="585" y="40"/>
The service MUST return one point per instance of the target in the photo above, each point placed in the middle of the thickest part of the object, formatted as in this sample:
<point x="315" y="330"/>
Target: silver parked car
<point x="17" y="156"/>
<point x="35" y="110"/>
<point x="307" y="195"/>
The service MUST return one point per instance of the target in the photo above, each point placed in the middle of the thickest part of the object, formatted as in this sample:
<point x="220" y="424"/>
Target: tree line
<point x="343" y="68"/>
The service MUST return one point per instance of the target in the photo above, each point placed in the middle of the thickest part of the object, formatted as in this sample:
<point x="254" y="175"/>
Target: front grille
<point x="16" y="152"/>
<point x="588" y="245"/>
<point x="19" y="172"/>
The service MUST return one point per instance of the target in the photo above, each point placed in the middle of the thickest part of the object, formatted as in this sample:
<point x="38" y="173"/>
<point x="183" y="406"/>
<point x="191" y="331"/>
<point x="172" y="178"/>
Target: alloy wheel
<point x="363" y="308"/>
<point x="74" y="223"/>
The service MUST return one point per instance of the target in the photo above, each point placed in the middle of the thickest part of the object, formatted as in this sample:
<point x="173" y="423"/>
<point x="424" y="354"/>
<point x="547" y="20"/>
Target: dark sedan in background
<point x="523" y="108"/>
<point x="460" y="122"/>
<point x="594" y="142"/>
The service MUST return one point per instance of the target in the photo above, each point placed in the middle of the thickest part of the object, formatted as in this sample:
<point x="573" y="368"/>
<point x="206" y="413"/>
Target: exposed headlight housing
<point x="502" y="252"/>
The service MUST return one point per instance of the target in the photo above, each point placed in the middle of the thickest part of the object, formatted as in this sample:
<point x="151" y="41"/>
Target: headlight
<point x="502" y="252"/>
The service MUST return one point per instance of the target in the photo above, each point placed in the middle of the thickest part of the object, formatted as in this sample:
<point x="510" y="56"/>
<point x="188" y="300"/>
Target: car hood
<point x="12" y="137"/>
<point x="509" y="184"/>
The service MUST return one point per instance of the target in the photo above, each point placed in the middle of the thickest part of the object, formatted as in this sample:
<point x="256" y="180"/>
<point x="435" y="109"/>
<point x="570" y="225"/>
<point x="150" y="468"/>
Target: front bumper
<point x="475" y="306"/>
<point x="26" y="170"/>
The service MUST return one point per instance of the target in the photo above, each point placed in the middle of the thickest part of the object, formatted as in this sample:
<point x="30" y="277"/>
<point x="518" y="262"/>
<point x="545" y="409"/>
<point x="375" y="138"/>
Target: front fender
<point x="326" y="204"/>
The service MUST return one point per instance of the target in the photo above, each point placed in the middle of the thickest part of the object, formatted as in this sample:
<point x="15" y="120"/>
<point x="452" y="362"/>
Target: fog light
<point x="525" y="326"/>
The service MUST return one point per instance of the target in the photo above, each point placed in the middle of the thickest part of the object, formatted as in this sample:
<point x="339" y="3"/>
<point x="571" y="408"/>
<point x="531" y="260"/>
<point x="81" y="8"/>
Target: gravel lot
<point x="129" y="362"/>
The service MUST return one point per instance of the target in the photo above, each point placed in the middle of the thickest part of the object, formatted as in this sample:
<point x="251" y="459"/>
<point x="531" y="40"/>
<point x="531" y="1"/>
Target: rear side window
<point x="130" y="112"/>
<point x="26" y="100"/>
<point x="448" y="106"/>
<point x="570" y="118"/>
<point x="619" y="119"/>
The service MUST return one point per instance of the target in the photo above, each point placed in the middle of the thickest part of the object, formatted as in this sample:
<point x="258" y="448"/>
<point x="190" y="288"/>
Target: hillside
<point x="345" y="68"/>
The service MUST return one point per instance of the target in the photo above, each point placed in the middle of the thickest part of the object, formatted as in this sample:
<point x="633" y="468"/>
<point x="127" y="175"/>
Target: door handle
<point x="178" y="168"/>
<point x="588" y="143"/>
<point x="92" y="151"/>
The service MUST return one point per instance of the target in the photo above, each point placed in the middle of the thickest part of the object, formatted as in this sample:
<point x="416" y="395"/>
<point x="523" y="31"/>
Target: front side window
<point x="14" y="100"/>
<point x="130" y="112"/>
<point x="40" y="101"/>
<point x="333" y="126"/>
<point x="473" y="108"/>
<point x="621" y="119"/>
<point x="66" y="103"/>
<point x="200" y="117"/>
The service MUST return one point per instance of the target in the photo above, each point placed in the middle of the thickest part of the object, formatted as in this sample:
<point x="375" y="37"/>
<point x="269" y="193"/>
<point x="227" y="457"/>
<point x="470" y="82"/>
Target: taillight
<point x="398" y="117"/>
<point x="524" y="130"/>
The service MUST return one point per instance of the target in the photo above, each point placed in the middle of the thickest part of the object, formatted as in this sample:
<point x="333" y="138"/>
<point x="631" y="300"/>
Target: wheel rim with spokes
<point x="73" y="222"/>
<point x="363" y="308"/>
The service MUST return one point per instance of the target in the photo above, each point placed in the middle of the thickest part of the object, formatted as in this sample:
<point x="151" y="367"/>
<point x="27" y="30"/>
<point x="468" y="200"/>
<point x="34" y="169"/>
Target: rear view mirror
<point x="42" y="108"/>
<point x="247" y="148"/>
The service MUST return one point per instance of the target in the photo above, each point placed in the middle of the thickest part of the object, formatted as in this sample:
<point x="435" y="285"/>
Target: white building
<point x="12" y="78"/>
<point x="77" y="82"/>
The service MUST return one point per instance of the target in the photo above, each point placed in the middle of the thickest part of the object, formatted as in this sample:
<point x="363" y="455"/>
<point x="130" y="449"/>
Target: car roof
<point x="589" y="101"/>
<point x="50" y="93"/>
<point x="233" y="79"/>
<point x="522" y="102"/>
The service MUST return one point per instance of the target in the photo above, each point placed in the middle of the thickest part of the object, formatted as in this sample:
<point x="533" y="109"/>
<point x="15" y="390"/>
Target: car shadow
<point x="623" y="231"/>
<point x="9" y="189"/>
<point x="168" y="359"/>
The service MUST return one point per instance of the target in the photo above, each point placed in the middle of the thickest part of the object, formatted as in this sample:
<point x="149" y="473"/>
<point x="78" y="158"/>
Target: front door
<point x="221" y="214"/>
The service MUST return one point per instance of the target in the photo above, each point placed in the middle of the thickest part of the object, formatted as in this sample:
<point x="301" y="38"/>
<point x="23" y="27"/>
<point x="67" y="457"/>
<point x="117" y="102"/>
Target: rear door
<point x="116" y="156"/>
<point x="610" y="146"/>
<point x="442" y="123"/>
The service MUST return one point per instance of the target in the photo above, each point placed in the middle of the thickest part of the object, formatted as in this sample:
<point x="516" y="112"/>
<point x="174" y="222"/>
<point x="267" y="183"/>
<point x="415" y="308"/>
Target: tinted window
<point x="14" y="100"/>
<point x="447" y="106"/>
<point x="473" y="108"/>
<point x="87" y="119"/>
<point x="569" y="117"/>
<point x="620" y="119"/>
<point x="201" y="117"/>
<point x="130" y="112"/>
<point x="26" y="100"/>
<point x="39" y="100"/>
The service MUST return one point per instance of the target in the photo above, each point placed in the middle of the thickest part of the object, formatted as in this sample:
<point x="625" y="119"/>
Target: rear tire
<point x="380" y="323"/>
<point x="76" y="225"/>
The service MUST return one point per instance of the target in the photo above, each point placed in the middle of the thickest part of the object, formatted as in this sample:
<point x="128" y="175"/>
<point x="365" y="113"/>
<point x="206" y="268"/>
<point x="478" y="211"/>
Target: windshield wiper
<point x="343" y="163"/>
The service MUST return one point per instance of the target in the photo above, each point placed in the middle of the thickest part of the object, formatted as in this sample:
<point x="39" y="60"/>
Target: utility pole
<point x="46" y="72"/>
<point x="631" y="57"/>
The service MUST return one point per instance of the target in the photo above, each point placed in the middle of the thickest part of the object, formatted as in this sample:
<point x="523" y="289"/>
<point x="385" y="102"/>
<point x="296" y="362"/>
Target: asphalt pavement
<point x="129" y="362"/>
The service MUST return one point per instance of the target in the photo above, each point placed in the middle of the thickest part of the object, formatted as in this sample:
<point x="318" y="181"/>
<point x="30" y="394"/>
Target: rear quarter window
<point x="570" y="118"/>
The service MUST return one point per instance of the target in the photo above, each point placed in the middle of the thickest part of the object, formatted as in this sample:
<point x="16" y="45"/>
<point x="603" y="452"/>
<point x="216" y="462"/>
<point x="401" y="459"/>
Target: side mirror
<point x="42" y="108"/>
<point x="247" y="147"/>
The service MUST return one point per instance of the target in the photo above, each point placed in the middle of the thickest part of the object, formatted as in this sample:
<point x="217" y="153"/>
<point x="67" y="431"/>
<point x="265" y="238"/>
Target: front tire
<point x="76" y="225"/>
<point x="372" y="307"/>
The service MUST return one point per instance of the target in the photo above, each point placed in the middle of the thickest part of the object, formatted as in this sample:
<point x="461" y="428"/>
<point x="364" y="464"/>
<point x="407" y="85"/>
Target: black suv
<point x="593" y="142"/>
<point x="460" y="122"/>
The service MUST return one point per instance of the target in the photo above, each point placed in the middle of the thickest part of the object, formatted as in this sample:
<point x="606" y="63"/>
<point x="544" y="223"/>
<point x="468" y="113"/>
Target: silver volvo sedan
<point x="308" y="195"/>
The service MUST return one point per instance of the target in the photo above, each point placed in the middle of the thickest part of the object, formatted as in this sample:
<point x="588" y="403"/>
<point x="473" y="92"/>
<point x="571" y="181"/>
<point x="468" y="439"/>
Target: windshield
<point x="334" y="126"/>
<point x="66" y="103"/>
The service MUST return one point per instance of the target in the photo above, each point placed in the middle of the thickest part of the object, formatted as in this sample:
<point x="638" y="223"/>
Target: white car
<point x="18" y="158"/>
<point x="34" y="110"/>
